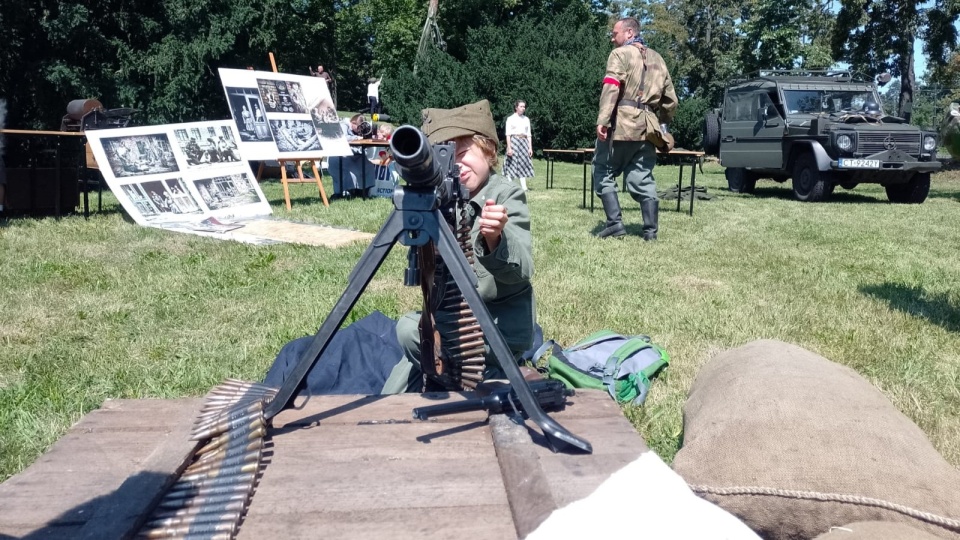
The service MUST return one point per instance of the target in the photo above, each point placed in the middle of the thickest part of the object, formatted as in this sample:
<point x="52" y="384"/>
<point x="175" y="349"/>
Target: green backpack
<point x="605" y="360"/>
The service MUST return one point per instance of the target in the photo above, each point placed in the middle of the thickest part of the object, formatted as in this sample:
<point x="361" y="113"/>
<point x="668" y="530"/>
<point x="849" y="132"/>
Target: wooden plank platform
<point x="339" y="467"/>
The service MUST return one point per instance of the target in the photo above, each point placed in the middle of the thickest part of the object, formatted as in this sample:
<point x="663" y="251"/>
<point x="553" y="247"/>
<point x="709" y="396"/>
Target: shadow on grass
<point x="915" y="301"/>
<point x="839" y="196"/>
<point x="951" y="195"/>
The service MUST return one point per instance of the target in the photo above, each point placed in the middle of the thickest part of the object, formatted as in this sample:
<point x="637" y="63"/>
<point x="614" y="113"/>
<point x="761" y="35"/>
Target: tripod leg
<point x="557" y="436"/>
<point x="360" y="277"/>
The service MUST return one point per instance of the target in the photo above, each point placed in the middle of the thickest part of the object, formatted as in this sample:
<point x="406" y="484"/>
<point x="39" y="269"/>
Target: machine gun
<point x="501" y="398"/>
<point x="214" y="490"/>
<point x="432" y="182"/>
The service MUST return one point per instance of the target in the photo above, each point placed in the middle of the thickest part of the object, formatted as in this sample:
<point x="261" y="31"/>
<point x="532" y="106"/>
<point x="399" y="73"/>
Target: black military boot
<point x="651" y="215"/>
<point x="611" y="206"/>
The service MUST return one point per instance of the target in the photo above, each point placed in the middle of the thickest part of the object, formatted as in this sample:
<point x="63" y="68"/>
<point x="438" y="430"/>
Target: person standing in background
<point x="331" y="86"/>
<point x="373" y="94"/>
<point x="518" y="163"/>
<point x="636" y="84"/>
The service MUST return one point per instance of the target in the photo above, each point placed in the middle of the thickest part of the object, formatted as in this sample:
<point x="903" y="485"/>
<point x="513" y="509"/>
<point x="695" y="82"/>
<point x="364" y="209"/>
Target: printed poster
<point x="282" y="116"/>
<point x="179" y="175"/>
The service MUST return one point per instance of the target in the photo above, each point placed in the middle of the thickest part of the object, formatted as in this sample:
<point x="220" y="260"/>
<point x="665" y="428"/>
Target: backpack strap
<point x="628" y="349"/>
<point x="594" y="338"/>
<point x="540" y="350"/>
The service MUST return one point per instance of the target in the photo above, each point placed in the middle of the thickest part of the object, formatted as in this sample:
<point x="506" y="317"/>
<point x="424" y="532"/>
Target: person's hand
<point x="510" y="152"/>
<point x="602" y="133"/>
<point x="530" y="152"/>
<point x="493" y="218"/>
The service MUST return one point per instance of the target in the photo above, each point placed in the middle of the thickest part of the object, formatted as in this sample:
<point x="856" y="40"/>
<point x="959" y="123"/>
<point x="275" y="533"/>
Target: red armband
<point x="611" y="80"/>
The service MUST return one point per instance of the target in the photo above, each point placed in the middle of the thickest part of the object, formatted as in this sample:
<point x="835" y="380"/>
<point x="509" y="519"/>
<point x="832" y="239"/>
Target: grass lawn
<point x="101" y="308"/>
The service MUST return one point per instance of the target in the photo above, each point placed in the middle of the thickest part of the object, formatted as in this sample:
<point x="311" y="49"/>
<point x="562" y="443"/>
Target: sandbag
<point x="876" y="530"/>
<point x="794" y="444"/>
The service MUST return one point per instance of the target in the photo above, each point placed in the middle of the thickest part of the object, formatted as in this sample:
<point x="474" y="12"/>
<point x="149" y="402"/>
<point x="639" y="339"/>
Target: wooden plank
<point x="353" y="479"/>
<point x="528" y="489"/>
<point x="67" y="486"/>
<point x="339" y="467"/>
<point x="437" y="523"/>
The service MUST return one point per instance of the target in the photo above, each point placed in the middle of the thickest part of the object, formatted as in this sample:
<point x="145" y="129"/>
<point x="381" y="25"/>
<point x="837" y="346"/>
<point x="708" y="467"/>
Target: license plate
<point x="859" y="163"/>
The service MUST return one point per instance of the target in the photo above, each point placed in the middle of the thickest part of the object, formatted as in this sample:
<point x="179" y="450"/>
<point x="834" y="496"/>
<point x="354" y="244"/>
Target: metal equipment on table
<point x="211" y="495"/>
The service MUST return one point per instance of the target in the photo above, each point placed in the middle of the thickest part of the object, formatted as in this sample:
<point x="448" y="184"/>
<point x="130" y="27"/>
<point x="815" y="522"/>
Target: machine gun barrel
<point x="550" y="394"/>
<point x="415" y="158"/>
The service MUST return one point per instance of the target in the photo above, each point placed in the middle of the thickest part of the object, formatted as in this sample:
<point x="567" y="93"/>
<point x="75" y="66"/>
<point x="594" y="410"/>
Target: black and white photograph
<point x="248" y="113"/>
<point x="227" y="191"/>
<point x="164" y="197"/>
<point x="326" y="120"/>
<point x="204" y="146"/>
<point x="298" y="110"/>
<point x="278" y="98"/>
<point x="140" y="155"/>
<point x="295" y="135"/>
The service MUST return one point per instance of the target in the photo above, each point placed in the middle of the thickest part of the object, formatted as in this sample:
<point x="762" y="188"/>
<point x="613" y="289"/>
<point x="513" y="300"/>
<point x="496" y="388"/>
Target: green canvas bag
<point x="621" y="365"/>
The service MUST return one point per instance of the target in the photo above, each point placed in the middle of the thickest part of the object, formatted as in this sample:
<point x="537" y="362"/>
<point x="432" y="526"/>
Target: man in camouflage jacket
<point x="636" y="104"/>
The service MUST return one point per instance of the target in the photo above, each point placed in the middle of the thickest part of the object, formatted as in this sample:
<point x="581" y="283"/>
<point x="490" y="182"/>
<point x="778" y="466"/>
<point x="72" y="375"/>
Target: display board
<point x="179" y="174"/>
<point x="283" y="116"/>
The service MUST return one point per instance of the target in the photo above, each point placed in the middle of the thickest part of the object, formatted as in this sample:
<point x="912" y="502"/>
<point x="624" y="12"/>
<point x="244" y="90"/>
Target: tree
<point x="554" y="63"/>
<point x="878" y="35"/>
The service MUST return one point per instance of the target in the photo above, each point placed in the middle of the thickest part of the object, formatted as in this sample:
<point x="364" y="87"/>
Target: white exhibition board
<point x="279" y="115"/>
<point x="180" y="175"/>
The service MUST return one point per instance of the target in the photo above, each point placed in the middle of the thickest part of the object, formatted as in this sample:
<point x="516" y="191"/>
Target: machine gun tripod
<point x="416" y="220"/>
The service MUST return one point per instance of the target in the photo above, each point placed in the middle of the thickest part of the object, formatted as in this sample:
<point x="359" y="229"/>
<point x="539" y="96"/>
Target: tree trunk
<point x="908" y="79"/>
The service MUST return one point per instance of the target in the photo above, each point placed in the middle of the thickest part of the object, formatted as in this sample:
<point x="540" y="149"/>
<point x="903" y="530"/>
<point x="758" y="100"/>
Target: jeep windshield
<point x="831" y="101"/>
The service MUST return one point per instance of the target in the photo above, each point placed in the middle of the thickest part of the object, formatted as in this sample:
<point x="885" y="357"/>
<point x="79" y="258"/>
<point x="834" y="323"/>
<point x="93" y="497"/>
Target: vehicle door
<point x="751" y="132"/>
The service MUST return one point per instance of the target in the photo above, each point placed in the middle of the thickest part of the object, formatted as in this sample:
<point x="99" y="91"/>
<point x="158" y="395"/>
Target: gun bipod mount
<point x="415" y="221"/>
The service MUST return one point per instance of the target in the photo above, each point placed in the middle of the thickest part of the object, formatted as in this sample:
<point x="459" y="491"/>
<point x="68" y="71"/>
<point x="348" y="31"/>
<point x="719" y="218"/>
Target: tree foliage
<point x="878" y="35"/>
<point x="554" y="64"/>
<point x="162" y="57"/>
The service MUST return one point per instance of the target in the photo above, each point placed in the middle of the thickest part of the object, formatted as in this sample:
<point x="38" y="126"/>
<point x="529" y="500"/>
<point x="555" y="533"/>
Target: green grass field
<point x="101" y="308"/>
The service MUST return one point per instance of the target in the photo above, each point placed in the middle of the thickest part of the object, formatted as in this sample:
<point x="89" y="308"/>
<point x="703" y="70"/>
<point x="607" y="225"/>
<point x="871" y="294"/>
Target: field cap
<point x="442" y="125"/>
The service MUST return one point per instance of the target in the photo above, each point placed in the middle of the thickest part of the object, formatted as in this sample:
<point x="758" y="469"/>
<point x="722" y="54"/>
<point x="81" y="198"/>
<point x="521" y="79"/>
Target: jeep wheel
<point x="809" y="184"/>
<point x="711" y="133"/>
<point x="913" y="192"/>
<point x="740" y="180"/>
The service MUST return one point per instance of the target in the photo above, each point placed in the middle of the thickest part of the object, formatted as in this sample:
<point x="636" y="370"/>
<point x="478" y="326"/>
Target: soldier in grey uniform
<point x="636" y="103"/>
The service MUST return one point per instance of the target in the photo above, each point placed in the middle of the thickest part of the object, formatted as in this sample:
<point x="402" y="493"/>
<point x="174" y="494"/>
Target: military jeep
<point x="822" y="130"/>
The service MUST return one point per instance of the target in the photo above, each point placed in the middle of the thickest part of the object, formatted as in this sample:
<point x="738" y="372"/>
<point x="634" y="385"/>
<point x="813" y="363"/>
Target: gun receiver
<point x="550" y="395"/>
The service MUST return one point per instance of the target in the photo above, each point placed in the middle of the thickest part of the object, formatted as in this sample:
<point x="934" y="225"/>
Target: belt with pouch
<point x="634" y="103"/>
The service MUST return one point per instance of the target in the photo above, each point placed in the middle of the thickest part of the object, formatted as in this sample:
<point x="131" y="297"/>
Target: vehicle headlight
<point x="845" y="142"/>
<point x="929" y="143"/>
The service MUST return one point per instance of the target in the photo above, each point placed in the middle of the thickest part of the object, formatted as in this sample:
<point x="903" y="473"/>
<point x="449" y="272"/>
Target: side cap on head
<point x="442" y="125"/>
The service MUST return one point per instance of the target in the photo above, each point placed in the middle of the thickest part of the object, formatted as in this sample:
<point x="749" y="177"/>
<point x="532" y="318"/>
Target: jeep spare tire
<point x="711" y="133"/>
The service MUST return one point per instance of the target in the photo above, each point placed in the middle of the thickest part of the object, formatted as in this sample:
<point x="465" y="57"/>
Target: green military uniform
<point x="629" y="151"/>
<point x="503" y="281"/>
<point x="503" y="275"/>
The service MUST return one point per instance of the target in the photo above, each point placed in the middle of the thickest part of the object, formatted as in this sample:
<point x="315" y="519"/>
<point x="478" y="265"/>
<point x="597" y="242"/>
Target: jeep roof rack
<point x="839" y="74"/>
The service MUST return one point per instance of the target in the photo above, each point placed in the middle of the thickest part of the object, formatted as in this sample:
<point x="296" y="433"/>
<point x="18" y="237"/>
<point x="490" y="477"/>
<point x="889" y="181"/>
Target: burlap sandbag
<point x="876" y="530"/>
<point x="793" y="444"/>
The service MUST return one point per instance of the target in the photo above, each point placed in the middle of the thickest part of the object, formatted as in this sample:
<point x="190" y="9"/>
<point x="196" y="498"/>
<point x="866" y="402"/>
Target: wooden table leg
<point x="286" y="187"/>
<point x="693" y="185"/>
<point x="680" y="187"/>
<point x="316" y="174"/>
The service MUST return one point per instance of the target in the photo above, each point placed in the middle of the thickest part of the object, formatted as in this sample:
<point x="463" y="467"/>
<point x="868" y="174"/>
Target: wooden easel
<point x="283" y="168"/>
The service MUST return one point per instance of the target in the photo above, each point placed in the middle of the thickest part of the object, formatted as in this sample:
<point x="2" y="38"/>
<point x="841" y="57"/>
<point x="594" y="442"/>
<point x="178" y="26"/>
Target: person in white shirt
<point x="518" y="163"/>
<point x="373" y="94"/>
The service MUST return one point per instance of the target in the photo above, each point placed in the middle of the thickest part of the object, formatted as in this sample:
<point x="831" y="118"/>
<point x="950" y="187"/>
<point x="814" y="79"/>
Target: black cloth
<point x="357" y="360"/>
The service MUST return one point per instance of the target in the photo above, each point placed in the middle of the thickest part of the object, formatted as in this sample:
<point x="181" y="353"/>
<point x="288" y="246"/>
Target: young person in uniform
<point x="499" y="234"/>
